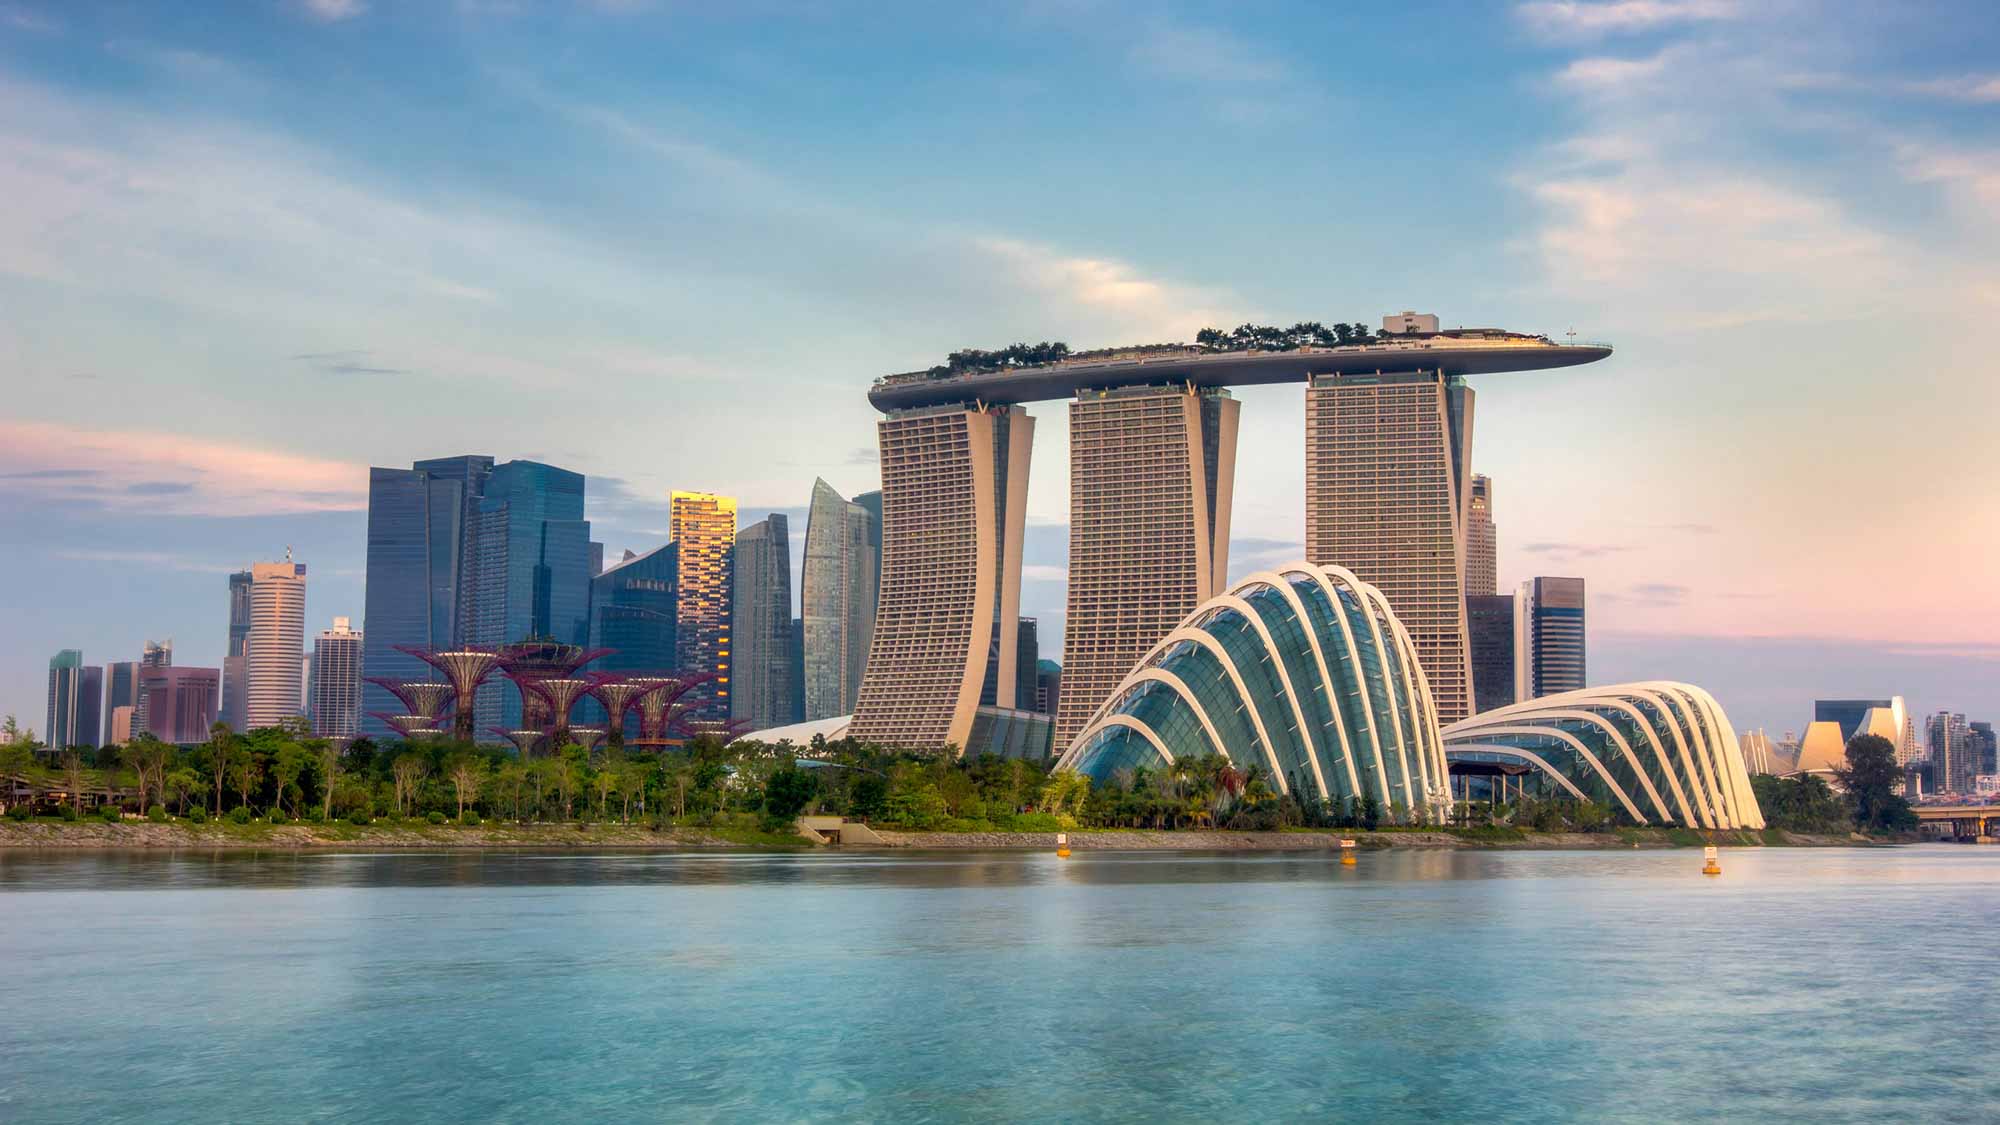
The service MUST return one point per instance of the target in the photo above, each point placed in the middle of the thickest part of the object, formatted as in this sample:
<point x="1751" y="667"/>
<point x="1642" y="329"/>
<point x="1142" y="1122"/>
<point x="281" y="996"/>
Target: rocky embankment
<point x="1319" y="841"/>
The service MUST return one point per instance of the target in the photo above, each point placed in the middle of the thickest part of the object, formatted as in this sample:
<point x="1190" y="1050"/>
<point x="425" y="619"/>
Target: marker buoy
<point x="1347" y="853"/>
<point x="1709" y="864"/>
<point x="1062" y="845"/>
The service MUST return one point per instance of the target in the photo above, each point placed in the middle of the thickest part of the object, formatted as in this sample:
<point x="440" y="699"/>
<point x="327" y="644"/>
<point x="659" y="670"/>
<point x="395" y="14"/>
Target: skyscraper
<point x="76" y="695"/>
<point x="334" y="701"/>
<point x="180" y="702"/>
<point x="703" y="525"/>
<point x="1386" y="497"/>
<point x="1481" y="545"/>
<point x="632" y="612"/>
<point x="121" y="701"/>
<point x="1984" y="749"/>
<point x="762" y="689"/>
<point x="416" y="538"/>
<point x="837" y="598"/>
<point x="235" y="664"/>
<point x="954" y="492"/>
<point x="1548" y="637"/>
<point x="276" y="647"/>
<point x="1490" y="624"/>
<point x="526" y="571"/>
<point x="1954" y="758"/>
<point x="1152" y="470"/>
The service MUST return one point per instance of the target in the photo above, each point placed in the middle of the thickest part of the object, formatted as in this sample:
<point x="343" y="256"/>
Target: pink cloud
<point x="171" y="473"/>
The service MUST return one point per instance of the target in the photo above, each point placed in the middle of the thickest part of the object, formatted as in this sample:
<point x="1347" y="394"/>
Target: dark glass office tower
<point x="762" y="689"/>
<point x="1490" y="625"/>
<point x="526" y="571"/>
<point x="76" y="693"/>
<point x="416" y="527"/>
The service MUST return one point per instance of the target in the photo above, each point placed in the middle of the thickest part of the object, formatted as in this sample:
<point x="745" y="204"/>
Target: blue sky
<point x="249" y="249"/>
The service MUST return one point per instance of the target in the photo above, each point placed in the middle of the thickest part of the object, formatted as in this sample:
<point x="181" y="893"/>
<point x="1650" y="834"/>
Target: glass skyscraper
<point x="837" y="598"/>
<point x="526" y="570"/>
<point x="632" y="612"/>
<point x="1548" y="638"/>
<point x="762" y="687"/>
<point x="75" y="695"/>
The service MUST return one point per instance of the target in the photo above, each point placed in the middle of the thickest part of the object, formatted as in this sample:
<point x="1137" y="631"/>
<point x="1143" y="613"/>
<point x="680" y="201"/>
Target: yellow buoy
<point x="1062" y="845"/>
<point x="1347" y="853"/>
<point x="1709" y="864"/>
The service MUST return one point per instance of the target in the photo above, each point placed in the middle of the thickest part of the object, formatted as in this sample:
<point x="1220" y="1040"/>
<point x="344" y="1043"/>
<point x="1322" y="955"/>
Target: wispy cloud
<point x="1197" y="54"/>
<point x="1582" y="19"/>
<point x="25" y="19"/>
<point x="170" y="473"/>
<point x="334" y="11"/>
<point x="1964" y="88"/>
<point x="354" y="362"/>
<point x="1116" y="293"/>
<point x="1566" y="551"/>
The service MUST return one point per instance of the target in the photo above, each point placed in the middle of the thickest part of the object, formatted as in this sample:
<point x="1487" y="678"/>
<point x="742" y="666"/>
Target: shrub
<point x="313" y="816"/>
<point x="360" y="818"/>
<point x="436" y="817"/>
<point x="469" y="818"/>
<point x="278" y="817"/>
<point x="69" y="813"/>
<point x="19" y="812"/>
<point x="239" y="815"/>
<point x="157" y="814"/>
<point x="112" y="814"/>
<point x="197" y="815"/>
<point x="1033" y="822"/>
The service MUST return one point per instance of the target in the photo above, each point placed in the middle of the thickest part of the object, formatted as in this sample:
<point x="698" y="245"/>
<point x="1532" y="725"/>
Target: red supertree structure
<point x="724" y="730"/>
<point x="410" y="727"/>
<point x="618" y="694"/>
<point x="524" y="741"/>
<point x="660" y="707"/>
<point x="586" y="737"/>
<point x="528" y="663"/>
<point x="420" y="697"/>
<point x="465" y="667"/>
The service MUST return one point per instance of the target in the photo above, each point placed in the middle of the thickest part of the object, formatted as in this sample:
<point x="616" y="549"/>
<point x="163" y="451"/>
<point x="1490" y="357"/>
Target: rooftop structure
<point x="1455" y="352"/>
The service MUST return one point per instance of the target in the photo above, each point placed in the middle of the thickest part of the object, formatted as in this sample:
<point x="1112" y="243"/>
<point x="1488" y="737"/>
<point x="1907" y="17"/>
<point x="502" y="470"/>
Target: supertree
<point x="524" y="740"/>
<point x="660" y="707"/>
<point x="422" y="697"/>
<point x="617" y="693"/>
<point x="410" y="727"/>
<point x="725" y="731"/>
<point x="528" y="663"/>
<point x="465" y="667"/>
<point x="561" y="695"/>
<point x="586" y="737"/>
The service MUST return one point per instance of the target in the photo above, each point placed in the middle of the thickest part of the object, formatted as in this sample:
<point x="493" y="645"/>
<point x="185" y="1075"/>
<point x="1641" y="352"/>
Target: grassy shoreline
<point x="135" y="835"/>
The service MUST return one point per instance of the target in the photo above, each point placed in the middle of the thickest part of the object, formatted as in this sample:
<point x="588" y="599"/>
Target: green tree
<point x="287" y="767"/>
<point x="787" y="794"/>
<point x="1870" y="776"/>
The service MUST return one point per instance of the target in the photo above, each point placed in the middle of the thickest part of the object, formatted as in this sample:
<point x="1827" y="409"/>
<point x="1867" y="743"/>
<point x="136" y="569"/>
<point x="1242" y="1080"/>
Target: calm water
<point x="1802" y="985"/>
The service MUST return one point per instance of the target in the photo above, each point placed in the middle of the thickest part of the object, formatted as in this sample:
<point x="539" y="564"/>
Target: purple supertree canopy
<point x="422" y="697"/>
<point x="408" y="726"/>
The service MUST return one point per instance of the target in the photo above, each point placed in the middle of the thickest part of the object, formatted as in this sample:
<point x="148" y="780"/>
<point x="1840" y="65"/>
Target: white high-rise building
<point x="334" y="695"/>
<point x="275" y="647"/>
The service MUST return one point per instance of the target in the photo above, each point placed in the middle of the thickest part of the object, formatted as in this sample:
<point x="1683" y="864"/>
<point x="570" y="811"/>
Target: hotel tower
<point x="1386" y="498"/>
<point x="1151" y="473"/>
<point x="954" y="489"/>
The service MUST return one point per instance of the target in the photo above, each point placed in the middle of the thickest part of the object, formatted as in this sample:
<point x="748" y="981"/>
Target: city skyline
<point x="1708" y="579"/>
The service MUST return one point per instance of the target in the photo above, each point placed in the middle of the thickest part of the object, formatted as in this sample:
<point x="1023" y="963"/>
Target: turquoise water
<point x="1829" y="985"/>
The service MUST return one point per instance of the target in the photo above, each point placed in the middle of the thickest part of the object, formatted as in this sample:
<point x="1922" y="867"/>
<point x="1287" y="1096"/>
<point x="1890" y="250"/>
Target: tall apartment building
<point x="334" y="697"/>
<point x="1482" y="541"/>
<point x="1489" y="620"/>
<point x="1387" y="456"/>
<point x="843" y="565"/>
<point x="762" y="688"/>
<point x="1548" y="637"/>
<point x="275" y="650"/>
<point x="1954" y="758"/>
<point x="417" y="520"/>
<point x="1152" y="470"/>
<point x="703" y="525"/>
<point x="76" y="696"/>
<point x="954" y="490"/>
<point x="235" y="659"/>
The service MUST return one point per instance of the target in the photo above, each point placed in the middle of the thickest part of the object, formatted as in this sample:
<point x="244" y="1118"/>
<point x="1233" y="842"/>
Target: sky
<point x="248" y="250"/>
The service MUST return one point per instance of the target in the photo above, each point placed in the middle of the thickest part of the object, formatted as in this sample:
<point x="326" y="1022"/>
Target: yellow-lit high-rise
<point x="703" y="525"/>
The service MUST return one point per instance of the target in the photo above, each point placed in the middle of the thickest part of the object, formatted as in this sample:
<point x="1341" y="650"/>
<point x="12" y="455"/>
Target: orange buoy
<point x="1062" y="845"/>
<point x="1709" y="863"/>
<point x="1347" y="853"/>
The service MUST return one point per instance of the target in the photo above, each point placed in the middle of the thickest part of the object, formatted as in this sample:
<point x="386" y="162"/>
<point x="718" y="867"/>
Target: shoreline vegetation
<point x="135" y="834"/>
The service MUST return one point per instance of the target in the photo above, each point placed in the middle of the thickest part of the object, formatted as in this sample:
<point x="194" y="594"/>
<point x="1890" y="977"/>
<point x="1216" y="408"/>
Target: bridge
<point x="1964" y="822"/>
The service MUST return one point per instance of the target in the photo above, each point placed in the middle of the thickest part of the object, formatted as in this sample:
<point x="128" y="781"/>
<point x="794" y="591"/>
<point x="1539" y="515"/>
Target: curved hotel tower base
<point x="1657" y="752"/>
<point x="1301" y="671"/>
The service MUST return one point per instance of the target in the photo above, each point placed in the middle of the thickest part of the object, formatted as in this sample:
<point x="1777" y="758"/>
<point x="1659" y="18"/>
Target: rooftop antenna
<point x="1571" y="334"/>
<point x="288" y="552"/>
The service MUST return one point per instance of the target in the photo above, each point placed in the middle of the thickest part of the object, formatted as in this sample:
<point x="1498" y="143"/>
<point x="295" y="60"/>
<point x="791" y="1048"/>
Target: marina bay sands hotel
<point x="1153" y="449"/>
